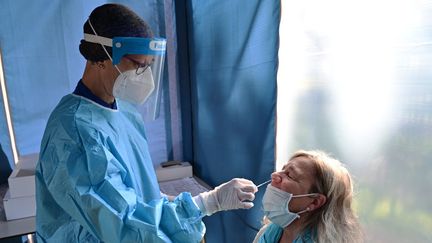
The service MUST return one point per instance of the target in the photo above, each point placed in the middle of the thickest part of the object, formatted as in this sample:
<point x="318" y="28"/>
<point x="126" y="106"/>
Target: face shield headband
<point x="127" y="45"/>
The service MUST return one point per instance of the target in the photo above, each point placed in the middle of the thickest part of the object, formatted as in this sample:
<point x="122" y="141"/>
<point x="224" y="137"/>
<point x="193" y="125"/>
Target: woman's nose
<point x="275" y="178"/>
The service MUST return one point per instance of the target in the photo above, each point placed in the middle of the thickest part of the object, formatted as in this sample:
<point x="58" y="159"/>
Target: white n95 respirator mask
<point x="276" y="209"/>
<point x="132" y="87"/>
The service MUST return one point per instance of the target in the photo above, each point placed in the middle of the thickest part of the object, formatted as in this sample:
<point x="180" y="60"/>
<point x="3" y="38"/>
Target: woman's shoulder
<point x="307" y="236"/>
<point x="269" y="233"/>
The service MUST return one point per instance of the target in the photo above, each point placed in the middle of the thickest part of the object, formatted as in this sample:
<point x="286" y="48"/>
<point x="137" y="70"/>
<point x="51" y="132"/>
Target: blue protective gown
<point x="95" y="181"/>
<point x="272" y="234"/>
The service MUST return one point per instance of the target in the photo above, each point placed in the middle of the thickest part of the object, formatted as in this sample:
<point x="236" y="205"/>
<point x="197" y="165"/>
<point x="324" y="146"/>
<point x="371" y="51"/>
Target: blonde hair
<point x="335" y="221"/>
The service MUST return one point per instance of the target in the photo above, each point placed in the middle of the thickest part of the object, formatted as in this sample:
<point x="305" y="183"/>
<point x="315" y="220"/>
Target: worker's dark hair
<point x="112" y="20"/>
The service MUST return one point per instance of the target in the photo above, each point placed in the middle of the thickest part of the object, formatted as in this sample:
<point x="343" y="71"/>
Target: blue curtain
<point x="227" y="53"/>
<point x="39" y="42"/>
<point x="4" y="136"/>
<point x="229" y="84"/>
<point x="41" y="61"/>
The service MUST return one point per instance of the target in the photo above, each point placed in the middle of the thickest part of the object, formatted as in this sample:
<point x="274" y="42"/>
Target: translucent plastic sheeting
<point x="356" y="81"/>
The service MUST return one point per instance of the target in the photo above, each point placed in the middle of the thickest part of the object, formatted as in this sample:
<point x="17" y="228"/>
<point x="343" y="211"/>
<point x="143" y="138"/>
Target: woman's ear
<point x="318" y="201"/>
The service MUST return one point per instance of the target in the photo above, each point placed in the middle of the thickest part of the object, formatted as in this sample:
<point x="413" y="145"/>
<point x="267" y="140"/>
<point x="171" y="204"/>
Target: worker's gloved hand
<point x="234" y="194"/>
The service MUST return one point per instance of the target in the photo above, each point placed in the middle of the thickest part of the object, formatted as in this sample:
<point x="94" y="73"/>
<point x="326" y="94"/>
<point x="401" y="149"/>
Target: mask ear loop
<point x="103" y="47"/>
<point x="303" y="211"/>
<point x="305" y="195"/>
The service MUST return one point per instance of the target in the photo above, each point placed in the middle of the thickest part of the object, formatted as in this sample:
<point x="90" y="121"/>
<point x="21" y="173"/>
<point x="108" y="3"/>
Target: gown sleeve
<point x="92" y="186"/>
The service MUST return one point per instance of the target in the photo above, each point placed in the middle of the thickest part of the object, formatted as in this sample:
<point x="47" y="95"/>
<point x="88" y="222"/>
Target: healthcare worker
<point x="95" y="180"/>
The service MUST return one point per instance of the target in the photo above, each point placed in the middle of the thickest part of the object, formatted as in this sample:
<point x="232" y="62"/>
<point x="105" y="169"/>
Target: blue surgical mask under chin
<point x="275" y="203"/>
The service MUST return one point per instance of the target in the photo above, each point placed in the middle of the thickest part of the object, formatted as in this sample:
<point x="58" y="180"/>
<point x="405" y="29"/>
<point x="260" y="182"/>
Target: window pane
<point x="355" y="80"/>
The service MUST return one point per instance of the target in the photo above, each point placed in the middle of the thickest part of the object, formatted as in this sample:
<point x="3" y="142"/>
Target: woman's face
<point x="296" y="177"/>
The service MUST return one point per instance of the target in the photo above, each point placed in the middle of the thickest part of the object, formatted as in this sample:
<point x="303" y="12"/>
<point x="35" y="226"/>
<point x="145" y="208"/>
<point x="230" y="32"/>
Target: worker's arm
<point x="90" y="185"/>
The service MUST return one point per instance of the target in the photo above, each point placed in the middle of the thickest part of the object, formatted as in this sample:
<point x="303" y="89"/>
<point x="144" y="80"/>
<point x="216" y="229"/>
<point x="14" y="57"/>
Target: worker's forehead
<point x="141" y="58"/>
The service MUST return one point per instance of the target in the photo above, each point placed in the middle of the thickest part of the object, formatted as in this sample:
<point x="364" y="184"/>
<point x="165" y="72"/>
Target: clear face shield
<point x="141" y="86"/>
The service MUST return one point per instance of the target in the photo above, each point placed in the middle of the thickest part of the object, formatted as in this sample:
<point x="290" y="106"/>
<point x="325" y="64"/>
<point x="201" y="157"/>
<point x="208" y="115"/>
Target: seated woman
<point x="310" y="201"/>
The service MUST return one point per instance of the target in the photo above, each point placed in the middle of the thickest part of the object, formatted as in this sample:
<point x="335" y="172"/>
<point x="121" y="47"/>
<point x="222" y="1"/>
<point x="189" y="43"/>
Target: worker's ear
<point x="318" y="201"/>
<point x="101" y="65"/>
